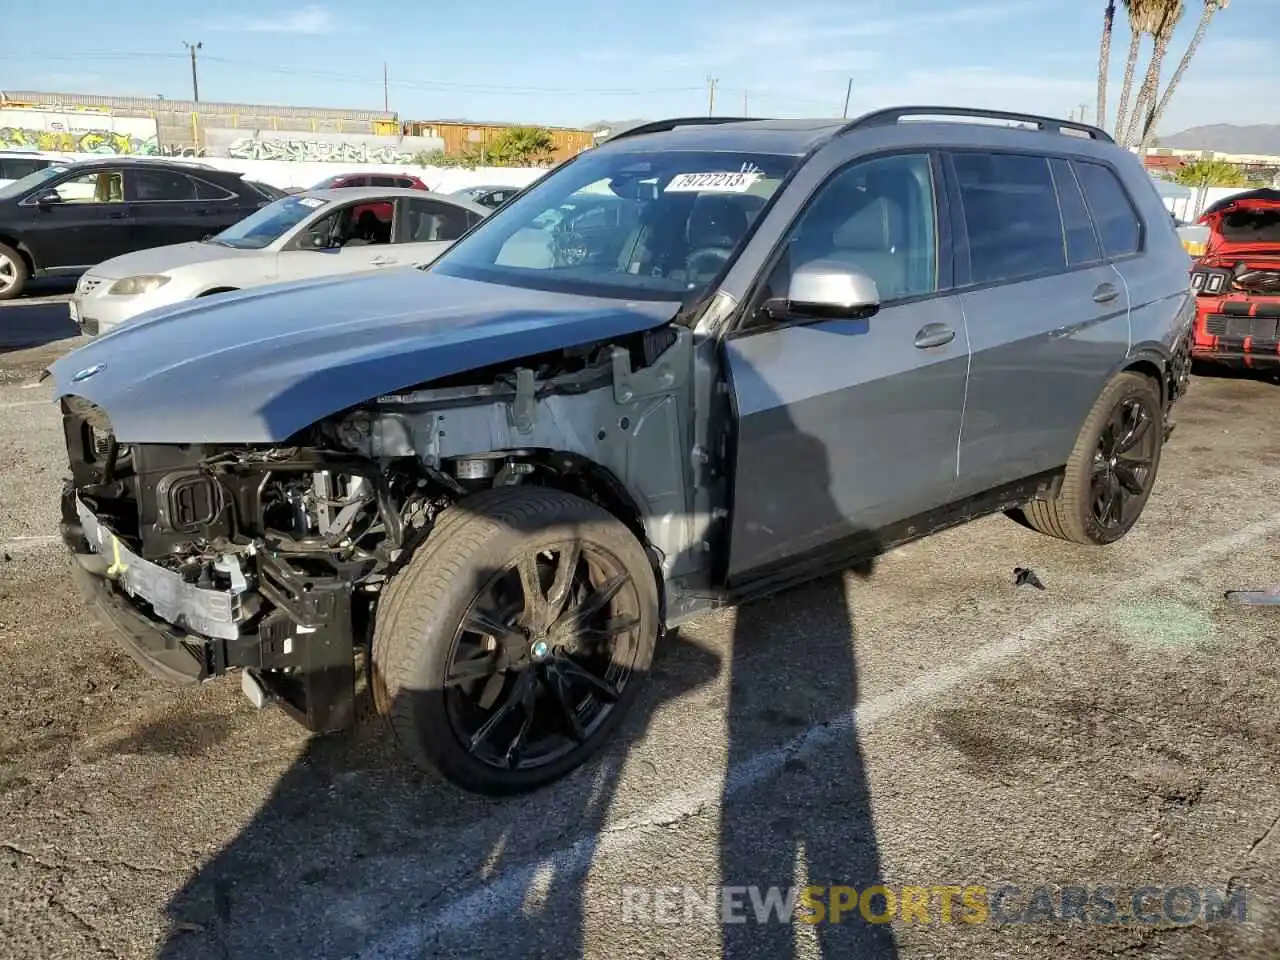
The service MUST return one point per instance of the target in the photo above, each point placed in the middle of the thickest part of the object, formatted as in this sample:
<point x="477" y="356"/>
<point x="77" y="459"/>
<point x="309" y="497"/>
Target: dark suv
<point x="67" y="217"/>
<point x="498" y="479"/>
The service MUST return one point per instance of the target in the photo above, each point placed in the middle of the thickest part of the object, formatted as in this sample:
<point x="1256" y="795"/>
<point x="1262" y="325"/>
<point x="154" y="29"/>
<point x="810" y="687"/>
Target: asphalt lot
<point x="1119" y="727"/>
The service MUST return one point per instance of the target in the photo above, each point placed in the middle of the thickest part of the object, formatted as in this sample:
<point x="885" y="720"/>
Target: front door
<point x="359" y="235"/>
<point x="844" y="426"/>
<point x="88" y="223"/>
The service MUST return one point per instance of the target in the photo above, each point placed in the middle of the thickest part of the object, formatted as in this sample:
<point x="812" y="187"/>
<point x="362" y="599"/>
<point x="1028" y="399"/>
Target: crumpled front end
<point x="204" y="559"/>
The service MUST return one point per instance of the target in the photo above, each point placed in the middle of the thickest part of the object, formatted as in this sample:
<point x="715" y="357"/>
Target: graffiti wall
<point x="315" y="147"/>
<point x="77" y="132"/>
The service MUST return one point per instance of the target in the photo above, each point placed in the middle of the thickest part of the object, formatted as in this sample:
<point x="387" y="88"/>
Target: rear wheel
<point x="510" y="648"/>
<point x="13" y="273"/>
<point x="1112" y="469"/>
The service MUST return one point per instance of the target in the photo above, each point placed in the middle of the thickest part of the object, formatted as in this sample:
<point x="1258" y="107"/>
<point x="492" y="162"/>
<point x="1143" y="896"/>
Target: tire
<point x="1075" y="514"/>
<point x="13" y="273"/>
<point x="467" y="564"/>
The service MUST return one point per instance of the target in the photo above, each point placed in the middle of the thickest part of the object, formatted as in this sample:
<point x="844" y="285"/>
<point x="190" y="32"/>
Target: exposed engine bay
<point x="271" y="557"/>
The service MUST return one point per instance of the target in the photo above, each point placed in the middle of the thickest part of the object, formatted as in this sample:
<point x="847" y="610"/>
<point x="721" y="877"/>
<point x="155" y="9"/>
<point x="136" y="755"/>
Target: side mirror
<point x="827" y="290"/>
<point x="314" y="241"/>
<point x="48" y="198"/>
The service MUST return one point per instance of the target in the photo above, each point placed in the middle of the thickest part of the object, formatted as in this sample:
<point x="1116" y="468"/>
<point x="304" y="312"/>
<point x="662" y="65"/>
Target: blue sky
<point x="576" y="61"/>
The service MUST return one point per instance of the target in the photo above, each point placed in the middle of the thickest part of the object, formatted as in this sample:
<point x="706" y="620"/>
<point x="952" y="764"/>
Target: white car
<point x="310" y="234"/>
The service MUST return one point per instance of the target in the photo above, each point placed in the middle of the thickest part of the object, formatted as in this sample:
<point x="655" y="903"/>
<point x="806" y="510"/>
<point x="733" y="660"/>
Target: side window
<point x="150" y="185"/>
<point x="15" y="168"/>
<point x="382" y="181"/>
<point x="426" y="221"/>
<point x="1082" y="242"/>
<point x="877" y="217"/>
<point x="404" y="182"/>
<point x="208" y="191"/>
<point x="1011" y="216"/>
<point x="103" y="186"/>
<point x="1118" y="225"/>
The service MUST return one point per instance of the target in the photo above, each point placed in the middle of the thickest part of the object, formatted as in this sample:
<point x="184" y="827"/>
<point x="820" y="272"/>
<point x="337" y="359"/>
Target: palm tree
<point x="1141" y="21"/>
<point x="1210" y="8"/>
<point x="1169" y="12"/>
<point x="1104" y="61"/>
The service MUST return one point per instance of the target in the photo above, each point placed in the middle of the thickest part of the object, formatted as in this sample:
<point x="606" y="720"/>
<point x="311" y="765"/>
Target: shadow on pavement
<point x="31" y="321"/>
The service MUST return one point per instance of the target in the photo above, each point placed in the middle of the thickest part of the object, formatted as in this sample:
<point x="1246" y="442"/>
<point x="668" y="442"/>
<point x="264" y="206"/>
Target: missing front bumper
<point x="300" y="647"/>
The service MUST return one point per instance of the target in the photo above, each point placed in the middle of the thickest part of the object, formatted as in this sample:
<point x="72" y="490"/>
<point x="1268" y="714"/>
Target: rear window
<point x="1250" y="226"/>
<point x="1011" y="215"/>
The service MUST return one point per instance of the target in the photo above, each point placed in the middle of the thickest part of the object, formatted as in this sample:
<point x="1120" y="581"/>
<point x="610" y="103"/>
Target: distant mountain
<point x="1228" y="138"/>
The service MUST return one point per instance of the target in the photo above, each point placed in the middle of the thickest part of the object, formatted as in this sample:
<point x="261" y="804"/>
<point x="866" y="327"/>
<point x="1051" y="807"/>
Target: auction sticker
<point x="726" y="182"/>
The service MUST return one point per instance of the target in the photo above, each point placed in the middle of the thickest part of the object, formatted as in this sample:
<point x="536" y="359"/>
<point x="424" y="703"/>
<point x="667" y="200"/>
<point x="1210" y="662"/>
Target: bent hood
<point x="257" y="366"/>
<point x="161" y="259"/>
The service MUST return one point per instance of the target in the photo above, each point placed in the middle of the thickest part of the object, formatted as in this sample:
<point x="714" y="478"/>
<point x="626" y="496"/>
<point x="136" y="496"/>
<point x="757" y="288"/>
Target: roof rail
<point x="661" y="126"/>
<point x="1047" y="124"/>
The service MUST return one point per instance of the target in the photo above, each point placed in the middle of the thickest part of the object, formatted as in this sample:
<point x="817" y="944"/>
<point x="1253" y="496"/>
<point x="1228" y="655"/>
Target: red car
<point x="1237" y="282"/>
<point x="380" y="210"/>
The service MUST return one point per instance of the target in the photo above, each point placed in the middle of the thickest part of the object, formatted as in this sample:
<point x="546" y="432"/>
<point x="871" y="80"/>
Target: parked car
<point x="61" y="220"/>
<point x="1237" y="282"/>
<point x="340" y="181"/>
<point x="314" y="234"/>
<point x="16" y="164"/>
<point x="503" y="476"/>
<point x="490" y="196"/>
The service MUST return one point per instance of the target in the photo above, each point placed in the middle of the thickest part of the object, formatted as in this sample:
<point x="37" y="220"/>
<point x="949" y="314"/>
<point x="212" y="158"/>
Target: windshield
<point x="19" y="187"/>
<point x="269" y="224"/>
<point x="653" y="226"/>
<point x="1251" y="225"/>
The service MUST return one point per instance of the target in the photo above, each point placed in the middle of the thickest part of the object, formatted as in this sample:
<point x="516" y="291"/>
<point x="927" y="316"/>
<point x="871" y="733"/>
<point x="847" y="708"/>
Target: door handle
<point x="117" y="215"/>
<point x="934" y="335"/>
<point x="382" y="261"/>
<point x="1105" y="293"/>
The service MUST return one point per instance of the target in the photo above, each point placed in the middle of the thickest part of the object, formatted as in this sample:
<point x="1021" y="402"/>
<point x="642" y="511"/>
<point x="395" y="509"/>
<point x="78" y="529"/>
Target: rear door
<point x="847" y="425"/>
<point x="426" y="228"/>
<point x="171" y="207"/>
<point x="1046" y="314"/>
<point x="90" y="221"/>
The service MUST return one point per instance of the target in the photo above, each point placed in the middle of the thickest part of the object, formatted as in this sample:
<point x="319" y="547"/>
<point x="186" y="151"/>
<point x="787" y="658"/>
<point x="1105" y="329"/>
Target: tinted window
<point x="15" y="168"/>
<point x="1118" y="225"/>
<point x="382" y="181"/>
<point x="207" y="191"/>
<point x="405" y="182"/>
<point x="1082" y="243"/>
<point x="162" y="185"/>
<point x="427" y="221"/>
<point x="1011" y="215"/>
<point x="876" y="217"/>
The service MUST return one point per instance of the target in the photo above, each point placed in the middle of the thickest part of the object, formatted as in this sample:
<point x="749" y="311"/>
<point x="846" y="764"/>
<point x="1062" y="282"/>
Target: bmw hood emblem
<point x="87" y="372"/>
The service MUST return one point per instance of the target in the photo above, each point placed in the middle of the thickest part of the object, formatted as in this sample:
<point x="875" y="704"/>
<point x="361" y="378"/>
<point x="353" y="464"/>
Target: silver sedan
<point x="311" y="234"/>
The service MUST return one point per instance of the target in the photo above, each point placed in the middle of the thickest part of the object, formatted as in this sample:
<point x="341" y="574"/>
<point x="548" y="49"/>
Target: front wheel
<point x="1112" y="469"/>
<point x="510" y="648"/>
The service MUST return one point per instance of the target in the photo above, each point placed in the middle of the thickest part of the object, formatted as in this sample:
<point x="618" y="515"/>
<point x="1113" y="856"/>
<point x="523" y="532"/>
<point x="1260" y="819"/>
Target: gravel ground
<point x="1116" y="729"/>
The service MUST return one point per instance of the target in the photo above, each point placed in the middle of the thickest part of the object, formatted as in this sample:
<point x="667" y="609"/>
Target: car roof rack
<point x="661" y="126"/>
<point x="1048" y="124"/>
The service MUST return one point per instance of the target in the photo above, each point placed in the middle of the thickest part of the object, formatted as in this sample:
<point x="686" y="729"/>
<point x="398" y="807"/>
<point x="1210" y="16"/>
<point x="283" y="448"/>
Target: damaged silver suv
<point x="707" y="360"/>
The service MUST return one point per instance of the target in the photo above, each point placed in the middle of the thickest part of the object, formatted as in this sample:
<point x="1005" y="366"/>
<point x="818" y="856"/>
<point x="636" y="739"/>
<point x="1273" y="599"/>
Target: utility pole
<point x="711" y="95"/>
<point x="385" y="100"/>
<point x="195" y="82"/>
<point x="848" y="92"/>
